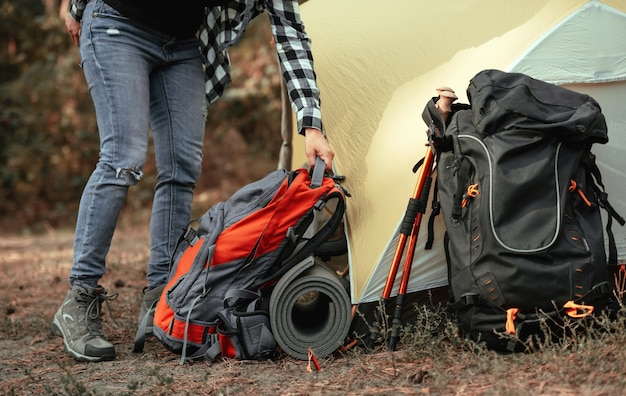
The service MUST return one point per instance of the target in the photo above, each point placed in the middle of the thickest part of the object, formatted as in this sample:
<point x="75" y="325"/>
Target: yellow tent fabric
<point x="378" y="63"/>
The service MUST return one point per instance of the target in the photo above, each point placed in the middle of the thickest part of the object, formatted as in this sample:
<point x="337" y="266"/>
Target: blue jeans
<point x="138" y="78"/>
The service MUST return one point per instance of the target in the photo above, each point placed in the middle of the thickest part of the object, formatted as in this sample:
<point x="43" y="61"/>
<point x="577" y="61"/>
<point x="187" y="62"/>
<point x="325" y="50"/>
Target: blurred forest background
<point x="49" y="137"/>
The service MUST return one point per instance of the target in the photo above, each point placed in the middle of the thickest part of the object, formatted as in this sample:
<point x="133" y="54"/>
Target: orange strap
<point x="511" y="314"/>
<point x="472" y="192"/>
<point x="573" y="187"/>
<point x="351" y="344"/>
<point x="574" y="310"/>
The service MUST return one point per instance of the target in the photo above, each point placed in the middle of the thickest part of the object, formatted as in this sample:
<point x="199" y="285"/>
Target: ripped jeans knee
<point x="131" y="175"/>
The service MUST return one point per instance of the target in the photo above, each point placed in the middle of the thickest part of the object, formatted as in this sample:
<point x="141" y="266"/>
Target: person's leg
<point x="116" y="66"/>
<point x="114" y="60"/>
<point x="178" y="119"/>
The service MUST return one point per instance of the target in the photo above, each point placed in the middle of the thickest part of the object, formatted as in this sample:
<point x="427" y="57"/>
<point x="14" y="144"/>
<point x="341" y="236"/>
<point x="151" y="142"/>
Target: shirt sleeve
<point x="212" y="34"/>
<point x="296" y="60"/>
<point x="76" y="9"/>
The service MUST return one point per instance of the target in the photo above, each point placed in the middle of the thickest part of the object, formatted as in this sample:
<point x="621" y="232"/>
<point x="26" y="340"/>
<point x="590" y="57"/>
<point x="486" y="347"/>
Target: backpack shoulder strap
<point x="295" y="235"/>
<point x="589" y="162"/>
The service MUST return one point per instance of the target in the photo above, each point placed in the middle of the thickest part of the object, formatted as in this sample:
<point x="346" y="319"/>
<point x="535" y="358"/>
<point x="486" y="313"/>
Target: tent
<point x="377" y="65"/>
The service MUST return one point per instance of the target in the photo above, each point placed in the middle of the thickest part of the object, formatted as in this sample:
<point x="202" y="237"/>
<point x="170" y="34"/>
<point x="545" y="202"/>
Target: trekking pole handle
<point x="318" y="173"/>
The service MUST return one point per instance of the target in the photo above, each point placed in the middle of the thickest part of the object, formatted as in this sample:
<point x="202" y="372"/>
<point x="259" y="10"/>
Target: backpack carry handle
<point x="318" y="173"/>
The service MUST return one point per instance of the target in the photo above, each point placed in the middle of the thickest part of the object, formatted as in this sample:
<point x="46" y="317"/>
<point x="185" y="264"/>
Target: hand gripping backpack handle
<point x="318" y="173"/>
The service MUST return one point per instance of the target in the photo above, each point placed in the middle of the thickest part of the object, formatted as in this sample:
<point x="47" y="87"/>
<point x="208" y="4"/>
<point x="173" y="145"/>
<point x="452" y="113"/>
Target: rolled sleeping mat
<point x="310" y="308"/>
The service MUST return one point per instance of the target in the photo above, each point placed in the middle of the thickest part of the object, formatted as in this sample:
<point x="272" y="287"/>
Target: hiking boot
<point x="148" y="305"/>
<point x="145" y="322"/>
<point x="78" y="322"/>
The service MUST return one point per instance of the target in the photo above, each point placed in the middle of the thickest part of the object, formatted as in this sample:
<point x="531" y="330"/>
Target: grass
<point x="589" y="360"/>
<point x="432" y="358"/>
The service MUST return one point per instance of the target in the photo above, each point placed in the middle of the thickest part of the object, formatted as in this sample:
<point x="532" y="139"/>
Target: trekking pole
<point x="409" y="228"/>
<point x="435" y="115"/>
<point x="406" y="229"/>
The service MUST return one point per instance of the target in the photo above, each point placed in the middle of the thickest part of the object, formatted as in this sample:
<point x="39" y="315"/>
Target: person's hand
<point x="73" y="28"/>
<point x="444" y="104"/>
<point x="316" y="145"/>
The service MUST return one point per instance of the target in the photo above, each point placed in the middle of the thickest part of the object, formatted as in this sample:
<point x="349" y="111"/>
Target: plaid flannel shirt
<point x="223" y="26"/>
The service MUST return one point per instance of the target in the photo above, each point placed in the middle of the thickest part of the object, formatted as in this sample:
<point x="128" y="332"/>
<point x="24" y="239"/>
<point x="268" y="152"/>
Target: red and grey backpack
<point x="215" y="301"/>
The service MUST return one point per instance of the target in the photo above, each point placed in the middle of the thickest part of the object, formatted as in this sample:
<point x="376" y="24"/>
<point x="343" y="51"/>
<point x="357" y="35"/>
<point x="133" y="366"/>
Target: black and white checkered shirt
<point x="223" y="26"/>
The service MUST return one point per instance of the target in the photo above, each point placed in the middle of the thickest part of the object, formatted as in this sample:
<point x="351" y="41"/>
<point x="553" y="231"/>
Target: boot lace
<point x="94" y="307"/>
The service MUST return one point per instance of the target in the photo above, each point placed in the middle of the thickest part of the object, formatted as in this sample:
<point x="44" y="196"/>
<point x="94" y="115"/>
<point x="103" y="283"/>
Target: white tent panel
<point x="587" y="46"/>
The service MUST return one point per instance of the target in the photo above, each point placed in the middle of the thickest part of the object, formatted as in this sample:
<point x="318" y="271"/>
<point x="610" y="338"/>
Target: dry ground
<point x="32" y="362"/>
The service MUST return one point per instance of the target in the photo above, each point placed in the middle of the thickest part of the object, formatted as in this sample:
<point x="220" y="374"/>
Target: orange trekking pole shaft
<point x="412" y="216"/>
<point x="416" y="205"/>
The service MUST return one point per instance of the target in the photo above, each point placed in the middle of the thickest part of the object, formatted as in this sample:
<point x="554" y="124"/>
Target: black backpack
<point x="521" y="196"/>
